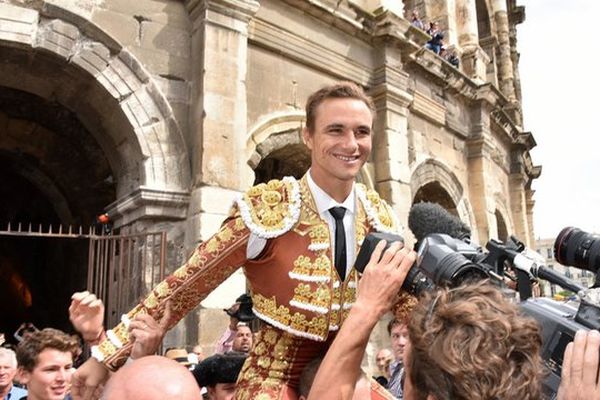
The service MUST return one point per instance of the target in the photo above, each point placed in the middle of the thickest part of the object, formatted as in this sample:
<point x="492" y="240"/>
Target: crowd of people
<point x="297" y="241"/>
<point x="436" y="43"/>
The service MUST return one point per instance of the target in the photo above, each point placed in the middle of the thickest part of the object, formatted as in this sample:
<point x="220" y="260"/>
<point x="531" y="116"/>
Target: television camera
<point x="447" y="257"/>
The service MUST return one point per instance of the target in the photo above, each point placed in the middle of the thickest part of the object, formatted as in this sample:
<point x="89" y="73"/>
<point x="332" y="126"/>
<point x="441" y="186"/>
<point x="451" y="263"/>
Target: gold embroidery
<point x="302" y="266"/>
<point x="296" y="321"/>
<point x="271" y="197"/>
<point x="212" y="245"/>
<point x="162" y="289"/>
<point x="260" y="349"/>
<point x="270" y="337"/>
<point x="151" y="301"/>
<point x="304" y="295"/>
<point x="264" y="362"/>
<point x="319" y="234"/>
<point x="321" y="267"/>
<point x="268" y="204"/>
<point x="225" y="234"/>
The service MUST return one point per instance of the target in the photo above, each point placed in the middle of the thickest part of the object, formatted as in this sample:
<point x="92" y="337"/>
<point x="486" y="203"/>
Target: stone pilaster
<point x="390" y="144"/>
<point x="530" y="205"/>
<point x="474" y="59"/>
<point x="219" y="109"/>
<point x="519" y="206"/>
<point x="505" y="65"/>
<point x="480" y="173"/>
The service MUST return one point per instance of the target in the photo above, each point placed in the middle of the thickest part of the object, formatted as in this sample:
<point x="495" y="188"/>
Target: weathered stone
<point x="92" y="57"/>
<point x="17" y="24"/>
<point x="124" y="28"/>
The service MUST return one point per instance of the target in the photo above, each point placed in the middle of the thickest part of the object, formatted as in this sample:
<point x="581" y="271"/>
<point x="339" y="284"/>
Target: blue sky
<point x="560" y="81"/>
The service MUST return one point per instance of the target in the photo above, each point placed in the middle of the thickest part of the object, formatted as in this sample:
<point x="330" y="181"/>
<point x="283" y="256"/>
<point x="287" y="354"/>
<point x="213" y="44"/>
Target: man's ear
<point x="307" y="137"/>
<point x="23" y="376"/>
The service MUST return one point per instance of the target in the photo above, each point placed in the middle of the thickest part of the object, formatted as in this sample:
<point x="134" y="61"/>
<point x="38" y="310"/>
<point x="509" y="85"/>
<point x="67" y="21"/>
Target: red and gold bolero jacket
<point x="294" y="285"/>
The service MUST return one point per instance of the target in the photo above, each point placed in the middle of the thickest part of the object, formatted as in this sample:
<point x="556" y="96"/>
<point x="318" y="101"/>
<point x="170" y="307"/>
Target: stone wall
<point x="186" y="99"/>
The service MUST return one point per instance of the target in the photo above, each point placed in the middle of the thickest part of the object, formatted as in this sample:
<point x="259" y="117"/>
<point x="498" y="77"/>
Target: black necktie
<point x="340" y="241"/>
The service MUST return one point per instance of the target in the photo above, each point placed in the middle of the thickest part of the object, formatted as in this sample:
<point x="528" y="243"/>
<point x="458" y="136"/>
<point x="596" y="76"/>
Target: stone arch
<point x="504" y="225"/>
<point x="434" y="175"/>
<point x="116" y="100"/>
<point x="484" y="22"/>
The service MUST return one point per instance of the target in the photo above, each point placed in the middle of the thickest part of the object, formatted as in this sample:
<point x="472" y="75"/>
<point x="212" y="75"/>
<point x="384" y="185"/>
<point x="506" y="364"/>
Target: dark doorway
<point x="53" y="172"/>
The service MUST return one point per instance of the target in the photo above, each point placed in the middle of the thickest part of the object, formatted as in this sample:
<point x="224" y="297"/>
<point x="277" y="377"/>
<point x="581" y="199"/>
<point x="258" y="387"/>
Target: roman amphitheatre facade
<point x="159" y="112"/>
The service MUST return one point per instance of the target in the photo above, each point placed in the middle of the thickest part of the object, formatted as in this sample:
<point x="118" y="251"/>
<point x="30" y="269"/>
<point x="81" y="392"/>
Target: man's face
<point x="399" y="336"/>
<point x="383" y="359"/>
<point x="221" y="391"/>
<point x="341" y="141"/>
<point x="51" y="376"/>
<point x="7" y="372"/>
<point x="243" y="339"/>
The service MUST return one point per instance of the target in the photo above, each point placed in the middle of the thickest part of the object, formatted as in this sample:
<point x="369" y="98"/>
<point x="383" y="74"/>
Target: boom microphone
<point x="425" y="218"/>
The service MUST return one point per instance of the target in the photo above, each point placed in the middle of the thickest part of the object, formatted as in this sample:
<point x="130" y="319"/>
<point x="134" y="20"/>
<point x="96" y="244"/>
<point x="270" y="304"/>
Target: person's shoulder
<point x="271" y="209"/>
<point x="379" y="212"/>
<point x="18" y="393"/>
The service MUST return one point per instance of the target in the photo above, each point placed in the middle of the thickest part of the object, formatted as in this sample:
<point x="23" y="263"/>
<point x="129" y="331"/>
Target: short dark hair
<point x="341" y="90"/>
<point x="30" y="347"/>
<point x="219" y="368"/>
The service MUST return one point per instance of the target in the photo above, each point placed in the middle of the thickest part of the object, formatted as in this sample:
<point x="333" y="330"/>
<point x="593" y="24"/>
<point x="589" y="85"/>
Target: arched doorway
<point x="84" y="128"/>
<point x="501" y="227"/>
<point x="53" y="173"/>
<point x="433" y="192"/>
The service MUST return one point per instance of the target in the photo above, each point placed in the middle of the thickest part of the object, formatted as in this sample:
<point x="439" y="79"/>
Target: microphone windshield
<point x="425" y="218"/>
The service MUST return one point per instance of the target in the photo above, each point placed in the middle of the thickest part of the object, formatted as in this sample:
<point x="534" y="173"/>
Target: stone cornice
<point x="346" y="17"/>
<point x="149" y="203"/>
<point x="306" y="52"/>
<point x="242" y="10"/>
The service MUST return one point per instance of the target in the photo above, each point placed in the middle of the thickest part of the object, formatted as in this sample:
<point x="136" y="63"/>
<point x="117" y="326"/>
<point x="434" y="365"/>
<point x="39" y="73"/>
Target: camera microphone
<point x="425" y="218"/>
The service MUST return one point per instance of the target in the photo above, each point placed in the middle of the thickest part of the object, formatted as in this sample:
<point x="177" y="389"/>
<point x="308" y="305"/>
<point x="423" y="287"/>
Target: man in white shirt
<point x="297" y="241"/>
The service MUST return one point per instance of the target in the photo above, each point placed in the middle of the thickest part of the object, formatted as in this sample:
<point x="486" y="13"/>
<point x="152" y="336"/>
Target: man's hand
<point x="88" y="380"/>
<point x="147" y="334"/>
<point x="383" y="277"/>
<point x="580" y="368"/>
<point x="86" y="313"/>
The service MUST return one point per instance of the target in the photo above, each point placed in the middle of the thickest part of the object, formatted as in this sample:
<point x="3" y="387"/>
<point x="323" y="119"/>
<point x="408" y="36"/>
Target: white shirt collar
<point x="324" y="201"/>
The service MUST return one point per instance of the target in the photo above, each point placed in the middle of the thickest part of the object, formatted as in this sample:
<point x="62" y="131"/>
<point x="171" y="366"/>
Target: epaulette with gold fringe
<point x="271" y="209"/>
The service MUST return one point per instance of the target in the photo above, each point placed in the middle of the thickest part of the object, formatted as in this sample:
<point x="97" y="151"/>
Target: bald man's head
<point x="152" y="378"/>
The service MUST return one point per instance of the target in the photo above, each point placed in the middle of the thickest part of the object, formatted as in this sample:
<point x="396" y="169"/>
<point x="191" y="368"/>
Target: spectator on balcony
<point x="416" y="21"/>
<point x="437" y="38"/>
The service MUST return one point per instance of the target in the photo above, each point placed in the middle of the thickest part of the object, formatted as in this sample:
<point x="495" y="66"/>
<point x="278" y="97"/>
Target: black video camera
<point x="442" y="260"/>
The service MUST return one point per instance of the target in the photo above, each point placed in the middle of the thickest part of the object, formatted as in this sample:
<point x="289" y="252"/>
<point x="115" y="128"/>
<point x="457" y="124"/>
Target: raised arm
<point x="210" y="264"/>
<point x="377" y="290"/>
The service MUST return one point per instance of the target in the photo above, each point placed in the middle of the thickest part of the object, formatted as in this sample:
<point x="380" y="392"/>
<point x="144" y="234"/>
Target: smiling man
<point x="297" y="241"/>
<point x="45" y="361"/>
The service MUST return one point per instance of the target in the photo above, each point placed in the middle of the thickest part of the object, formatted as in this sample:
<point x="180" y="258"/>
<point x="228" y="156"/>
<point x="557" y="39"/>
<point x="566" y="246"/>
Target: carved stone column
<point x="390" y="144"/>
<point x="480" y="169"/>
<point x="218" y="110"/>
<point x="218" y="118"/>
<point x="474" y="59"/>
<point x="505" y="65"/>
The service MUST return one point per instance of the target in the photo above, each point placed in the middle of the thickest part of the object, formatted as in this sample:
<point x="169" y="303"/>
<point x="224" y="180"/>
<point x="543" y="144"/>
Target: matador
<point x="284" y="236"/>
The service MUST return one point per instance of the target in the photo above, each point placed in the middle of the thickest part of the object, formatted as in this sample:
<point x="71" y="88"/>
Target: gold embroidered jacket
<point x="294" y="285"/>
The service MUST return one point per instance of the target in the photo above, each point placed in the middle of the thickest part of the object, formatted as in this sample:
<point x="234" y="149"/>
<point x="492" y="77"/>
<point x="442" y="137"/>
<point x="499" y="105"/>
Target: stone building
<point x="159" y="112"/>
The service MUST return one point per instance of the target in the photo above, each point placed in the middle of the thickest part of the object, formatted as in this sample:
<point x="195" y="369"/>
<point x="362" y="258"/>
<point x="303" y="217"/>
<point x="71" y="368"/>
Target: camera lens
<point x="455" y="269"/>
<point x="574" y="247"/>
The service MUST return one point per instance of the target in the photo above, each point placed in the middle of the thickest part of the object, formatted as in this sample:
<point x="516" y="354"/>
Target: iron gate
<point x="122" y="267"/>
